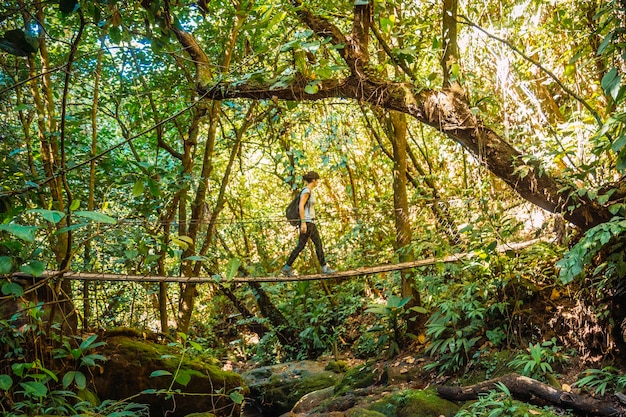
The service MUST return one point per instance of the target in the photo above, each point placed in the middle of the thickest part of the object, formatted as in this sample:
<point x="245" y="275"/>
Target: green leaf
<point x="278" y="17"/>
<point x="183" y="378"/>
<point x="232" y="267"/>
<point x="312" y="88"/>
<point x="5" y="382"/>
<point x="12" y="288"/>
<point x="611" y="83"/>
<point x="95" y="216"/>
<point x="619" y="143"/>
<point x="160" y="372"/>
<point x="25" y="233"/>
<point x="196" y="258"/>
<point x="53" y="216"/>
<point x="197" y="346"/>
<point x="6" y="264"/>
<point x="138" y="188"/>
<point x="236" y="397"/>
<point x="68" y="378"/>
<point x="34" y="389"/>
<point x="75" y="205"/>
<point x="81" y="381"/>
<point x="34" y="268"/>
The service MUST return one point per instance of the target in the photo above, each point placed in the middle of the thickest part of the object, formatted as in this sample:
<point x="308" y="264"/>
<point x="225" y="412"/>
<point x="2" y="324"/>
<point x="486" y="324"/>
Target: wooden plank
<point x="95" y="276"/>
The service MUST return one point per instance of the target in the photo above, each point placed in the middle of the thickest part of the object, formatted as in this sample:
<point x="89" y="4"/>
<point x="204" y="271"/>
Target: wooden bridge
<point x="95" y="276"/>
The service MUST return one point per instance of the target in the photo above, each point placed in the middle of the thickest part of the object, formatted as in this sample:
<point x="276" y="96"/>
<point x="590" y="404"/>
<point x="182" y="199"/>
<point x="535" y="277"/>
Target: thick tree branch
<point x="446" y="110"/>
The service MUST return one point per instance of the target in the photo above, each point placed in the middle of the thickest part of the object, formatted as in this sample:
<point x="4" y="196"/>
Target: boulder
<point x="276" y="389"/>
<point x="178" y="388"/>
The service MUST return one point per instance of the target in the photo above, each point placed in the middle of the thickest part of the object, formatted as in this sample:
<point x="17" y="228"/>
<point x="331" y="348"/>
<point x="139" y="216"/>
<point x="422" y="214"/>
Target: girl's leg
<point x="317" y="241"/>
<point x="302" y="239"/>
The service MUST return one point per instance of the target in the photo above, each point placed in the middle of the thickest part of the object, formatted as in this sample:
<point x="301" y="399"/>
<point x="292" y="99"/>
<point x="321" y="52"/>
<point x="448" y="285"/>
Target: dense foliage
<point x="165" y="138"/>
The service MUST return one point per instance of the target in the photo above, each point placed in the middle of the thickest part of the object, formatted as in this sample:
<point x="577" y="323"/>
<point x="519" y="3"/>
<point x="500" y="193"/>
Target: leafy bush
<point x="390" y="331"/>
<point x="608" y="237"/>
<point x="537" y="361"/>
<point x="454" y="331"/>
<point x="602" y="379"/>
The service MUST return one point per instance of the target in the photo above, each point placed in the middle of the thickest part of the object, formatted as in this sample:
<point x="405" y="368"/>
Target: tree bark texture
<point x="531" y="390"/>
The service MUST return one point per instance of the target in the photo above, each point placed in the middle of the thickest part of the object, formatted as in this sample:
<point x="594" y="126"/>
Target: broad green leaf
<point x="53" y="216"/>
<point x="611" y="82"/>
<point x="12" y="288"/>
<point x="34" y="389"/>
<point x="197" y="346"/>
<point x="95" y="216"/>
<point x="619" y="143"/>
<point x="138" y="188"/>
<point x="25" y="233"/>
<point x="68" y="378"/>
<point x="621" y="160"/>
<point x="183" y="377"/>
<point x="75" y="205"/>
<point x="232" y="267"/>
<point x="5" y="382"/>
<point x="180" y="243"/>
<point x="6" y="264"/>
<point x="186" y="239"/>
<point x="81" y="381"/>
<point x="34" y="268"/>
<point x="311" y="88"/>
<point x="236" y="397"/>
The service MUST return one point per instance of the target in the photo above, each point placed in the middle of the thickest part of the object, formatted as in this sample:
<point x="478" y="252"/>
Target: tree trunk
<point x="530" y="390"/>
<point x="450" y="55"/>
<point x="398" y="136"/>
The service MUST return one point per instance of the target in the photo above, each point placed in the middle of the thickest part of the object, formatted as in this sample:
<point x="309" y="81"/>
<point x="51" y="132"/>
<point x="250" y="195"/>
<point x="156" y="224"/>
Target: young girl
<point x="308" y="229"/>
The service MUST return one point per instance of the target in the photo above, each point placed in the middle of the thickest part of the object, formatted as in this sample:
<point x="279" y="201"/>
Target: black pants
<point x="313" y="234"/>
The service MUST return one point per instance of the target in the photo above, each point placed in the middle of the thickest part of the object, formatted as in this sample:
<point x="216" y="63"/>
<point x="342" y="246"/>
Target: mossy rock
<point x="414" y="403"/>
<point x="357" y="377"/>
<point x="337" y="366"/>
<point x="363" y="412"/>
<point x="130" y="367"/>
<point x="277" y="388"/>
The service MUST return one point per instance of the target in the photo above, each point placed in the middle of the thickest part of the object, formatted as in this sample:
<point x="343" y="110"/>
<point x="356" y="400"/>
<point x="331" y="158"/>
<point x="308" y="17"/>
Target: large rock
<point x="277" y="388"/>
<point x="201" y="387"/>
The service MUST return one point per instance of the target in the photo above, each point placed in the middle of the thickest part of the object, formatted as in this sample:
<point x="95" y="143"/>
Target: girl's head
<point x="311" y="176"/>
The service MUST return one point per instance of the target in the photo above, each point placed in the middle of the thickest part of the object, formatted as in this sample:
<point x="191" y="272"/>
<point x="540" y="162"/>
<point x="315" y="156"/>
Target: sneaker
<point x="287" y="271"/>
<point x="327" y="270"/>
